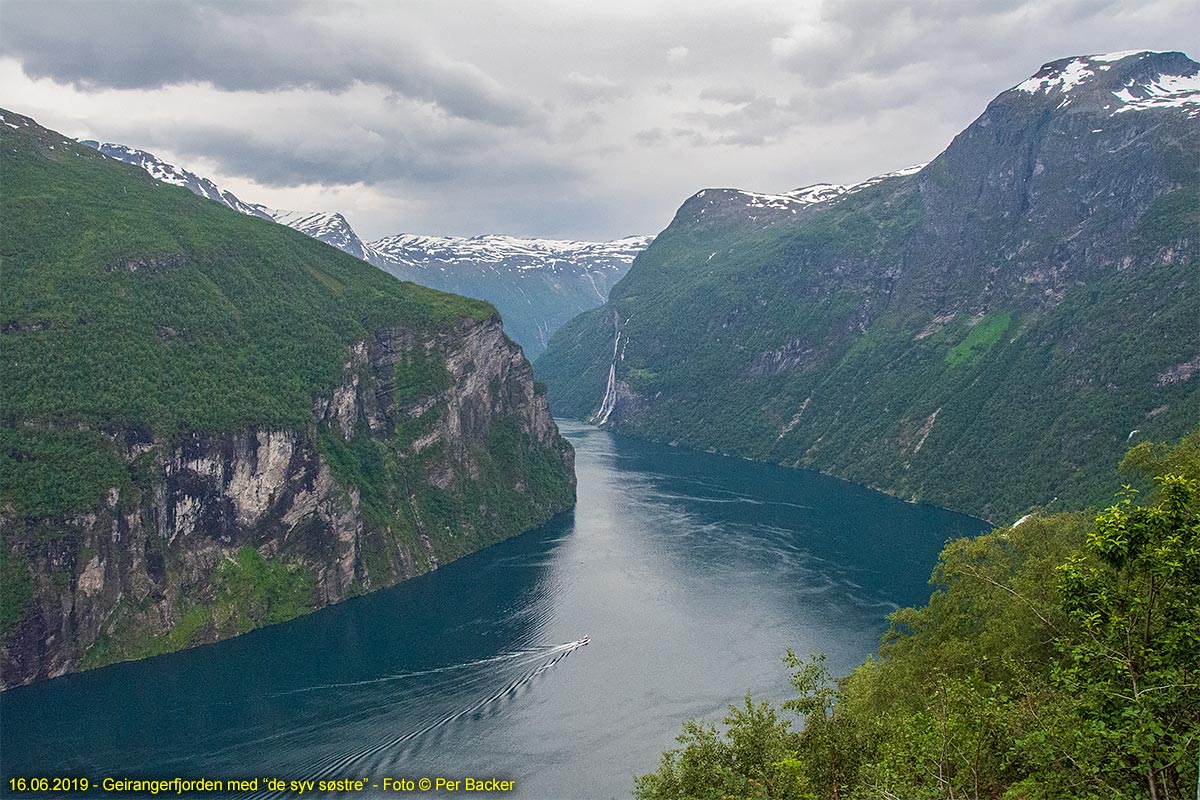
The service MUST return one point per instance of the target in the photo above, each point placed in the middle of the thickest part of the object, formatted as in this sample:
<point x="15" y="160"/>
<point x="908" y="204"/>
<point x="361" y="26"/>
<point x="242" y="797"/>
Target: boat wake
<point x="417" y="699"/>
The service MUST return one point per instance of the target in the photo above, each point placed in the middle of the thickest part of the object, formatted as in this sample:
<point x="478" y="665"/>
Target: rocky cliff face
<point x="223" y="532"/>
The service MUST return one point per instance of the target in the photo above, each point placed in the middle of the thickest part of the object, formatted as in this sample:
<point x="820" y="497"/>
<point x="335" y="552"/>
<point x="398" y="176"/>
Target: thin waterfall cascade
<point x="609" y="403"/>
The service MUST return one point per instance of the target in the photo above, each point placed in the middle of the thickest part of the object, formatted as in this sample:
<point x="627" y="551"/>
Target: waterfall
<point x="610" y="391"/>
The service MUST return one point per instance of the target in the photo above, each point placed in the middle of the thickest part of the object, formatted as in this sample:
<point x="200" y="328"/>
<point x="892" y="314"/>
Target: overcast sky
<point x="552" y="118"/>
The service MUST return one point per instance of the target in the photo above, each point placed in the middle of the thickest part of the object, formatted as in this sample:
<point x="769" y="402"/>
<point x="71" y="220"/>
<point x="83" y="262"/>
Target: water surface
<point x="690" y="572"/>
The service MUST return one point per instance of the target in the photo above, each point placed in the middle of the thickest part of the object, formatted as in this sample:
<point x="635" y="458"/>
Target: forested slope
<point x="982" y="333"/>
<point x="209" y="422"/>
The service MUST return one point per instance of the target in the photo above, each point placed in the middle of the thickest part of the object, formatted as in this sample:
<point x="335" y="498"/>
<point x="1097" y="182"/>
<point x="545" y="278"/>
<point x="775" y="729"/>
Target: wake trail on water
<point x="532" y="662"/>
<point x="514" y="655"/>
<point x="354" y="709"/>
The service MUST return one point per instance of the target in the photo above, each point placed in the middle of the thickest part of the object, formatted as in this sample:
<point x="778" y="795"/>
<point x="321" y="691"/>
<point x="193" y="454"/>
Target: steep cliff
<point x="984" y="332"/>
<point x="212" y="423"/>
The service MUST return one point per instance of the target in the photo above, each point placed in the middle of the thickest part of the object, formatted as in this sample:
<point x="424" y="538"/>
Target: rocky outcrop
<point x="330" y="510"/>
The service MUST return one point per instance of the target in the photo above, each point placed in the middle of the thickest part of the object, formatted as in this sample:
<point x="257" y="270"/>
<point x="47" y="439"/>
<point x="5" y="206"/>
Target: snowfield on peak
<point x="537" y="285"/>
<point x="1121" y="55"/>
<point x="814" y="194"/>
<point x="1172" y="82"/>
<point x="1167" y="91"/>
<point x="166" y="172"/>
<point x="507" y="252"/>
<point x="328" y="226"/>
<point x="899" y="173"/>
<point x="1065" y="79"/>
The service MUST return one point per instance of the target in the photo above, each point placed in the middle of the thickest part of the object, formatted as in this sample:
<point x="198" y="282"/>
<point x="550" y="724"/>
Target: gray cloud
<point x="395" y="158"/>
<point x="568" y="118"/>
<point x="146" y="44"/>
<point x="733" y="95"/>
<point x="592" y="88"/>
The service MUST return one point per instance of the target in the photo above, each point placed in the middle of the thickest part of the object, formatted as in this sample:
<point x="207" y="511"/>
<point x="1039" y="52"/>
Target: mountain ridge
<point x="504" y="270"/>
<point x="893" y="334"/>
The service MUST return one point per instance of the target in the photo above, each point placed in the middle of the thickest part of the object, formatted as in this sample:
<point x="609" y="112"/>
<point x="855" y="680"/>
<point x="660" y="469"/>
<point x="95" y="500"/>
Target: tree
<point x="755" y="760"/>
<point x="1056" y="658"/>
<point x="1135" y="663"/>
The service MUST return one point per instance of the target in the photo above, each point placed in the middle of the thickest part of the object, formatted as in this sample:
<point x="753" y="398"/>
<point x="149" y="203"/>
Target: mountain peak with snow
<point x="327" y="226"/>
<point x="498" y="251"/>
<point x="1115" y="83"/>
<point x="166" y="172"/>
<point x="536" y="284"/>
<point x="768" y="208"/>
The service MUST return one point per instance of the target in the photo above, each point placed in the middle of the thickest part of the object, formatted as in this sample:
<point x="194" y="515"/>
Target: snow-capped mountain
<point x="1039" y="274"/>
<point x="807" y="196"/>
<point x="1145" y="80"/>
<point x="176" y="176"/>
<point x="329" y="227"/>
<point x="600" y="263"/>
<point x="508" y="252"/>
<point x="1111" y="83"/>
<point x="535" y="284"/>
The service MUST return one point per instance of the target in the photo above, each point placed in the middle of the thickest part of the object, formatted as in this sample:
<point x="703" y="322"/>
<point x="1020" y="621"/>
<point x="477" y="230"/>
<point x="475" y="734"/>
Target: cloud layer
<point x="541" y="117"/>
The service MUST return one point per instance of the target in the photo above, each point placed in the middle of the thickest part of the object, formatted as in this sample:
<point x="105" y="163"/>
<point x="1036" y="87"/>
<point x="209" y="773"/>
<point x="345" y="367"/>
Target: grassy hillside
<point x="128" y="301"/>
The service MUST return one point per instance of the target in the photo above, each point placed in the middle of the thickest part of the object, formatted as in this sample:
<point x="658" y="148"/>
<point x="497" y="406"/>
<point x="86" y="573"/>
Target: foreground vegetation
<point x="1059" y="657"/>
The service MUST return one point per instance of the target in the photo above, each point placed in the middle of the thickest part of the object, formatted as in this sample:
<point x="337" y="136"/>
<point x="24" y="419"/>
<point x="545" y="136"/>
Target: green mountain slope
<point x="211" y="422"/>
<point x="985" y="333"/>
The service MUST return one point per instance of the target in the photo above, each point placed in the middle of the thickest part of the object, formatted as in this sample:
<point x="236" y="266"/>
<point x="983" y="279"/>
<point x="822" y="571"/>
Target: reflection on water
<point x="691" y="573"/>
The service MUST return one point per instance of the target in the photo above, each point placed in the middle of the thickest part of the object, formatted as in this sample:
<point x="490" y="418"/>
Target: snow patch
<point x="1165" y="91"/>
<point x="1064" y="80"/>
<point x="1120" y="55"/>
<point x="509" y="253"/>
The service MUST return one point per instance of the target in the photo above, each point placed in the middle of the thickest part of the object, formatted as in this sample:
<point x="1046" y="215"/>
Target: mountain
<point x="176" y="176"/>
<point x="210" y="423"/>
<point x="329" y="227"/>
<point x="325" y="226"/>
<point x="985" y="332"/>
<point x="536" y="284"/>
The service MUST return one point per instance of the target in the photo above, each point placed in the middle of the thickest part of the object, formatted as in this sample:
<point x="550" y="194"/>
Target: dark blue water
<point x="691" y="573"/>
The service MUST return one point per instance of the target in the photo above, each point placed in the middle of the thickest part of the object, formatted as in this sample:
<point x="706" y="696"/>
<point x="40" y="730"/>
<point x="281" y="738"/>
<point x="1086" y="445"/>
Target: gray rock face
<point x="117" y="581"/>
